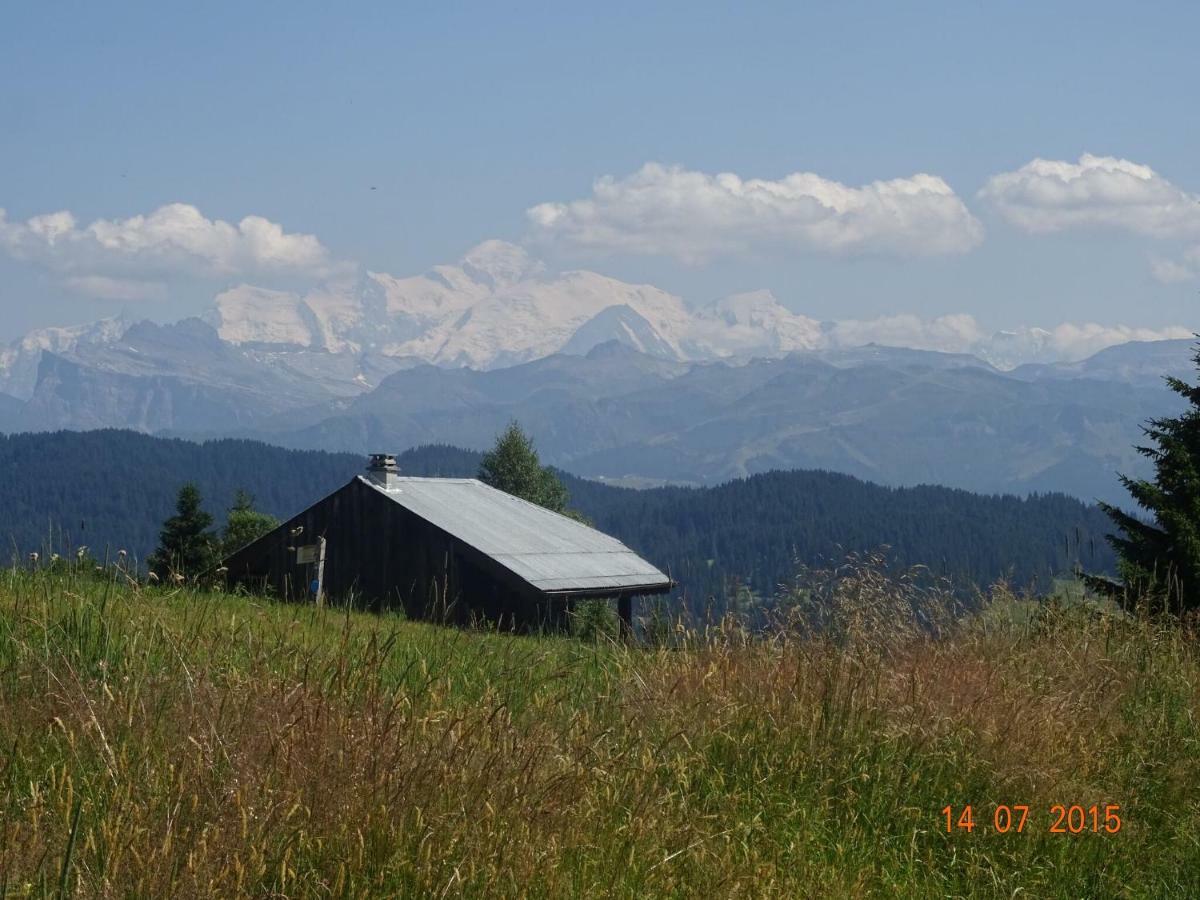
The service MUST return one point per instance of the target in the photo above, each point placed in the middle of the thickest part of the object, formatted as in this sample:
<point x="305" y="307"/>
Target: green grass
<point x="180" y="743"/>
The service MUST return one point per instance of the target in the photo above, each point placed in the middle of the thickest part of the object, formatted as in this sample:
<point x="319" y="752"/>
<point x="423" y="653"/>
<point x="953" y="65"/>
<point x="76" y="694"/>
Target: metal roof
<point x="552" y="552"/>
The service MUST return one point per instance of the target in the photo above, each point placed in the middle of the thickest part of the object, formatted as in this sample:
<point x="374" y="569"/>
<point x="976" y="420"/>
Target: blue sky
<point x="464" y="117"/>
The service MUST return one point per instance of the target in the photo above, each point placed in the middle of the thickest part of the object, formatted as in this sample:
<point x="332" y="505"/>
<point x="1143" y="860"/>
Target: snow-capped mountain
<point x="496" y="307"/>
<point x="19" y="361"/>
<point x="751" y="324"/>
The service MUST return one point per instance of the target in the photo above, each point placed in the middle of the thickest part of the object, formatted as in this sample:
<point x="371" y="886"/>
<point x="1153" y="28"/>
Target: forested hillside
<point x="112" y="489"/>
<point x="753" y="531"/>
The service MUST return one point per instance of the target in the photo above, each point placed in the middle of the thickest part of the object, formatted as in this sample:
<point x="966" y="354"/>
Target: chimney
<point x="383" y="471"/>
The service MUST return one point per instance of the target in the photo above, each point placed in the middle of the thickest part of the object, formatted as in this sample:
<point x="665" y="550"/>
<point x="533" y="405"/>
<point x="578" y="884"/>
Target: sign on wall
<point x="306" y="553"/>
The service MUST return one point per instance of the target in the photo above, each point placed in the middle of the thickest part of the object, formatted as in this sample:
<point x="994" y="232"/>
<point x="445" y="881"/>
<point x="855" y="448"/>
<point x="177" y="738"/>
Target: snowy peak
<point x="19" y="361"/>
<point x="253" y="315"/>
<point x="752" y="324"/>
<point x="620" y="325"/>
<point x="534" y="317"/>
<point x="497" y="306"/>
<point x="1008" y="349"/>
<point x="498" y="263"/>
<point x="757" y="308"/>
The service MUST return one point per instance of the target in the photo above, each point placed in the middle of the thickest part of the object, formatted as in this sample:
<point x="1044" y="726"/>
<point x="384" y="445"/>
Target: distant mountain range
<point x="890" y="416"/>
<point x="614" y="380"/>
<point x="498" y="307"/>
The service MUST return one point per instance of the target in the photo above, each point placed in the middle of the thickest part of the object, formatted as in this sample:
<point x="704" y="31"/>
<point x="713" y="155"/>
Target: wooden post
<point x="625" y="612"/>
<point x="320" y="571"/>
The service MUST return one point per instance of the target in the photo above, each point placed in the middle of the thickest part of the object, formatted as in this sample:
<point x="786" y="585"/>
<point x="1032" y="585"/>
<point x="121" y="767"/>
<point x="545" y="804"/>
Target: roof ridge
<point x="419" y="478"/>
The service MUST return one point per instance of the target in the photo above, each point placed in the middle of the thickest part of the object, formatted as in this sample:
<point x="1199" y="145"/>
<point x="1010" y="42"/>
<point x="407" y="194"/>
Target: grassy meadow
<point x="159" y="742"/>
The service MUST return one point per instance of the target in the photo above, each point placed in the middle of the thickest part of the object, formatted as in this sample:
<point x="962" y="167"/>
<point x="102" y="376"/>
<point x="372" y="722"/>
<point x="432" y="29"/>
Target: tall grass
<point x="174" y="743"/>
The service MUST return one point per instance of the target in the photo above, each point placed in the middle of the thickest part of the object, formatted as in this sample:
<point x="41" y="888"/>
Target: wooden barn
<point x="448" y="549"/>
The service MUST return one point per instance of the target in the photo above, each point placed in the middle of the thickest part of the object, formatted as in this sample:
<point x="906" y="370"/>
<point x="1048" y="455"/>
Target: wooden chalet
<point x="447" y="549"/>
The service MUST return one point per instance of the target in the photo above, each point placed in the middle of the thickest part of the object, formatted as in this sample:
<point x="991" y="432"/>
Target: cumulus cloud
<point x="694" y="216"/>
<point x="1097" y="191"/>
<point x="172" y="240"/>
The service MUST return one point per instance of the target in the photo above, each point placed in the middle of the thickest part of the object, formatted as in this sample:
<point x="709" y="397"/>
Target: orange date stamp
<point x="1019" y="818"/>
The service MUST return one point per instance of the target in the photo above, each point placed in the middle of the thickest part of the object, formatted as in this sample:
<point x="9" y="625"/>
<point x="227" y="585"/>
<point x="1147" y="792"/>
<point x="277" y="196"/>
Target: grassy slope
<point x="157" y="743"/>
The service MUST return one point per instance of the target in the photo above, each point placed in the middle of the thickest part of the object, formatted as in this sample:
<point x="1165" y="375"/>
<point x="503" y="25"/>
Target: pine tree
<point x="1159" y="558"/>
<point x="245" y="523"/>
<point x="512" y="466"/>
<point x="185" y="545"/>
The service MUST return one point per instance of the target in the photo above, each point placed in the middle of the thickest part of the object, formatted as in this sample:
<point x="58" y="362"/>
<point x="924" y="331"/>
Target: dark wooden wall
<point x="381" y="556"/>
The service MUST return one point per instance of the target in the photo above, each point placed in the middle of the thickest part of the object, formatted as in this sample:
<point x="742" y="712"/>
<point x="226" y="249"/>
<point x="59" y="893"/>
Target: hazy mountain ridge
<point x="1135" y="362"/>
<point x="895" y="417"/>
<point x="889" y="415"/>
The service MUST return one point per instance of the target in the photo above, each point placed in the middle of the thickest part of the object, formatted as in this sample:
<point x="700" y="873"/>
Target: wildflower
<point x="33" y="557"/>
<point x="81" y="551"/>
<point x="152" y="577"/>
<point x="54" y="557"/>
<point x="122" y="554"/>
<point x="221" y="570"/>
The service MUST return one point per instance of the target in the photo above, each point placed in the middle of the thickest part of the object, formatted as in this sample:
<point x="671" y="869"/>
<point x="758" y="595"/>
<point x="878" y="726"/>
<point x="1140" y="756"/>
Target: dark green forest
<point x="111" y="490"/>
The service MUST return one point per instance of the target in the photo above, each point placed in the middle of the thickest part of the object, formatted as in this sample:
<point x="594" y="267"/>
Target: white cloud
<point x="1074" y="341"/>
<point x="1174" y="271"/>
<point x="950" y="334"/>
<point x="1097" y="191"/>
<point x="694" y="216"/>
<point x="106" y="288"/>
<point x="1170" y="271"/>
<point x="175" y="239"/>
<point x="960" y="333"/>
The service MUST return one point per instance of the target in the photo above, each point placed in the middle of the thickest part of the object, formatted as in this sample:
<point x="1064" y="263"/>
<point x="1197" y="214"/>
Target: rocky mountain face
<point x="19" y="361"/>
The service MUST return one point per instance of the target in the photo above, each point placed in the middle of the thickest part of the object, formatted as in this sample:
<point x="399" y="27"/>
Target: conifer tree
<point x="245" y="523"/>
<point x="512" y="466"/>
<point x="185" y="544"/>
<point x="1159" y="556"/>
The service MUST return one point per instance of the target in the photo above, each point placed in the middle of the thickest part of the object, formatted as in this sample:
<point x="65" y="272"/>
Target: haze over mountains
<point x="497" y="306"/>
<point x="615" y="380"/>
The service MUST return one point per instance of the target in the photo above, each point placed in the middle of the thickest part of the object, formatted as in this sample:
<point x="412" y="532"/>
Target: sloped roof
<point x="550" y="551"/>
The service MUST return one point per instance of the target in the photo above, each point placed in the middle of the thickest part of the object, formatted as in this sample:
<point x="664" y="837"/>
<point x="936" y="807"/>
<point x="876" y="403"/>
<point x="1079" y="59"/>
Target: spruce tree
<point x="244" y="523"/>
<point x="512" y="466"/>
<point x="185" y="545"/>
<point x="1159" y="556"/>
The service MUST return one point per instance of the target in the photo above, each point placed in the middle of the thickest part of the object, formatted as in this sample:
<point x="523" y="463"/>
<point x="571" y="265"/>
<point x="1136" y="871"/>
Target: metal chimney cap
<point x="383" y="471"/>
<point x="382" y="461"/>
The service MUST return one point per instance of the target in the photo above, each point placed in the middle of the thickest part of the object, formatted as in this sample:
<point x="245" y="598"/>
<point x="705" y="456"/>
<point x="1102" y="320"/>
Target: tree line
<point x="115" y="489"/>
